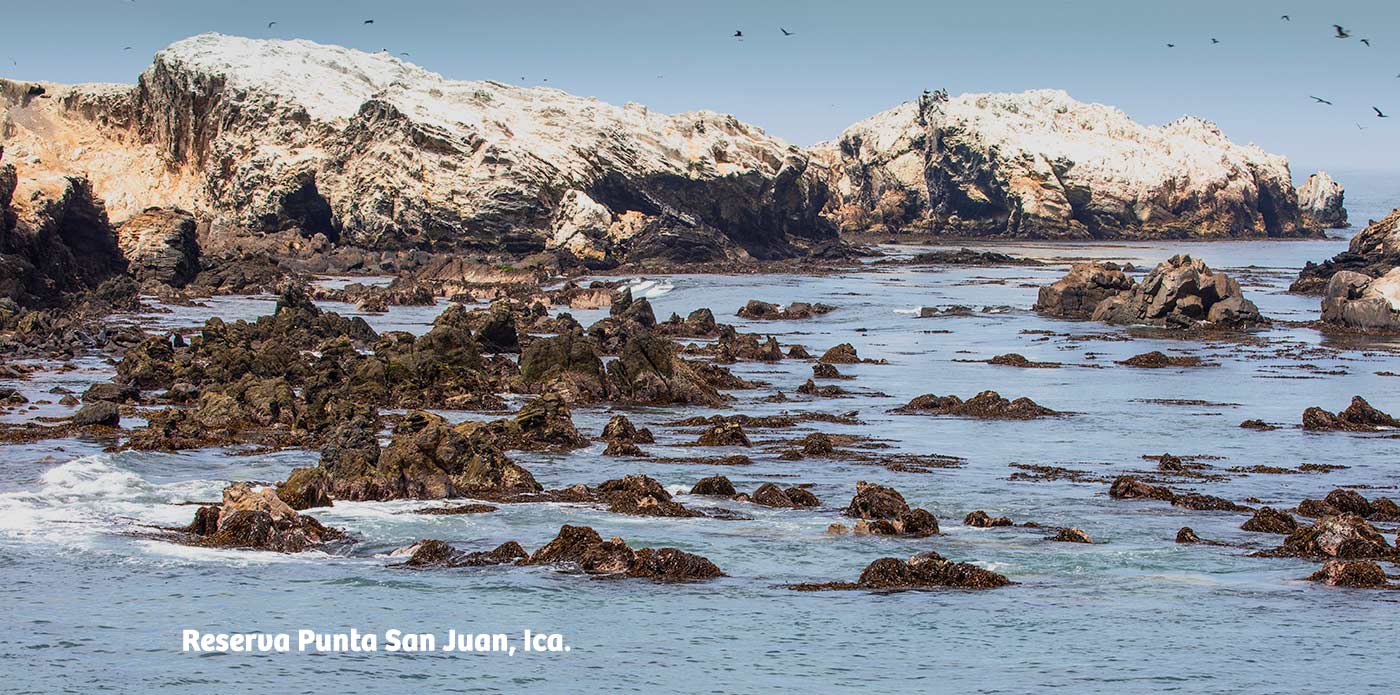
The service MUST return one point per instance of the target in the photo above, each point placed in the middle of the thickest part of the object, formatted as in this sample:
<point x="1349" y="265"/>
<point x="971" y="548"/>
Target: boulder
<point x="770" y="495"/>
<point x="980" y="519"/>
<point x="1076" y="295"/>
<point x="1373" y="253"/>
<point x="845" y="353"/>
<point x="438" y="554"/>
<point x="724" y="434"/>
<point x="160" y="246"/>
<point x="100" y="413"/>
<point x="257" y="519"/>
<point x="1181" y="292"/>
<point x="1322" y="202"/>
<point x="1071" y="535"/>
<point x="672" y="565"/>
<point x="1354" y="574"/>
<point x="640" y="495"/>
<point x="1340" y="537"/>
<point x="581" y="547"/>
<point x="715" y="486"/>
<point x="924" y="571"/>
<point x="1359" y="302"/>
<point x="1126" y="487"/>
<point x="876" y="502"/>
<point x="306" y="488"/>
<point x="1269" y="520"/>
<point x="1186" y="535"/>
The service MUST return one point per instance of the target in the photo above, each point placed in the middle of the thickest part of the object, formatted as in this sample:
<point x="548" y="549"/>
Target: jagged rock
<point x="817" y="444"/>
<point x="765" y="311"/>
<point x="649" y="371"/>
<point x="568" y="363"/>
<point x="582" y="547"/>
<point x="1268" y="520"/>
<point x="437" y="554"/>
<point x="623" y="447"/>
<point x="715" y="486"/>
<point x="770" y="495"/>
<point x="822" y="370"/>
<point x="980" y="519"/>
<point x="306" y="488"/>
<point x="845" y="353"/>
<point x="724" y="434"/>
<point x="1071" y="535"/>
<point x="1360" y="302"/>
<point x="1373" y="253"/>
<point x="101" y="413"/>
<point x="619" y="428"/>
<point x="160" y="246"/>
<point x="258" y="520"/>
<point x="1181" y="292"/>
<point x="988" y="405"/>
<point x="876" y="502"/>
<point x="457" y="510"/>
<point x="108" y="391"/>
<point x="640" y="495"/>
<point x="1040" y="164"/>
<point x="1355" y="574"/>
<point x="54" y="236"/>
<point x="1258" y="425"/>
<point x="1359" y="416"/>
<point x="1341" y="537"/>
<point x="1078" y="293"/>
<point x="1322" y="202"/>
<point x="392" y="156"/>
<point x="1199" y="502"/>
<point x="544" y="423"/>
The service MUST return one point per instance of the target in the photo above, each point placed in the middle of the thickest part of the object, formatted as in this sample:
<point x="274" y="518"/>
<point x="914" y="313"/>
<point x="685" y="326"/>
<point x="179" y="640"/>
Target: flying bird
<point x="738" y="34"/>
<point x="1360" y="127"/>
<point x="127" y="48"/>
<point x="785" y="31"/>
<point x="1379" y="113"/>
<point x="270" y="24"/>
<point x="1321" y="100"/>
<point x="1367" y="42"/>
<point x="1171" y="45"/>
<point x="369" y="21"/>
<point x="403" y="53"/>
<point x="1286" y="18"/>
<point x="1215" y="40"/>
<point x="1341" y="33"/>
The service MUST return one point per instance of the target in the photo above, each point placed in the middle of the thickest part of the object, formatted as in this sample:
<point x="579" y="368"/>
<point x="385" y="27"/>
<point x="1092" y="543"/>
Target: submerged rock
<point x="883" y="511"/>
<point x="988" y="405"/>
<point x="1354" y="574"/>
<point x="756" y="309"/>
<point x="427" y="554"/>
<point x="1268" y="520"/>
<point x="927" y="570"/>
<point x="1071" y="535"/>
<point x="715" y="486"/>
<point x="1342" y="537"/>
<point x="1158" y="360"/>
<point x="980" y="519"/>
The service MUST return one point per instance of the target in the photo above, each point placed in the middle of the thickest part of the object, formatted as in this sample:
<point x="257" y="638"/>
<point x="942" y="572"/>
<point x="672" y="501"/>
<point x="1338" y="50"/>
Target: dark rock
<point x="1071" y="535"/>
<point x="716" y="486"/>
<point x="1268" y="520"/>
<point x="1187" y="535"/>
<point x="988" y="405"/>
<point x="1078" y="293"/>
<point x="876" y="502"/>
<point x="1359" y="416"/>
<point x="1126" y="487"/>
<point x="924" y="571"/>
<point x="1199" y="502"/>
<point x="1159" y="360"/>
<point x="641" y="496"/>
<point x="160" y="246"/>
<point x="1342" y="537"/>
<point x="306" y="488"/>
<point x="724" y="434"/>
<point x="980" y="519"/>
<point x="101" y="413"/>
<point x="1181" y="292"/>
<point x="108" y="391"/>
<point x="1354" y="574"/>
<point x="845" y="353"/>
<point x="437" y="554"/>
<point x="671" y="565"/>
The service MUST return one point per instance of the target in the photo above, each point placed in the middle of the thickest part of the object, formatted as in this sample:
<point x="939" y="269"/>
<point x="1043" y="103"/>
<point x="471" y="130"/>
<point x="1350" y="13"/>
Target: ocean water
<point x="89" y="604"/>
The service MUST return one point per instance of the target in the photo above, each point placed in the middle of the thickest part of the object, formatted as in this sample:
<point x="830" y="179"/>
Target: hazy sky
<point x="846" y="60"/>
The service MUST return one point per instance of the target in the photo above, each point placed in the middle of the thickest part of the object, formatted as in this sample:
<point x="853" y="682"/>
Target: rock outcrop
<point x="329" y="146"/>
<point x="1040" y="164"/>
<point x="1078" y="293"/>
<point x="924" y="571"/>
<point x="257" y="519"/>
<point x="1322" y="202"/>
<point x="55" y="238"/>
<point x="160" y="246"/>
<point x="1374" y="252"/>
<point x="1359" y="416"/>
<point x="1181" y="292"/>
<point x="1355" y="301"/>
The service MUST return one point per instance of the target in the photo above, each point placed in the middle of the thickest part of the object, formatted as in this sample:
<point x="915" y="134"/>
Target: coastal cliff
<point x="261" y="136"/>
<point x="1042" y="165"/>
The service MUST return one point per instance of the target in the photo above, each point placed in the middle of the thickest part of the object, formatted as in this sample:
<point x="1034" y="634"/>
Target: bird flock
<point x="1338" y="32"/>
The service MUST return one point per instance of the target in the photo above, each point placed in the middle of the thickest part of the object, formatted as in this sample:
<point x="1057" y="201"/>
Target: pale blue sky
<point x="847" y="60"/>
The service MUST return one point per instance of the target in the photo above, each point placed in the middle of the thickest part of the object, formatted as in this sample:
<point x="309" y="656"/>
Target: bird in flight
<point x="271" y="24"/>
<point x="1360" y="127"/>
<point x="1367" y="42"/>
<point x="738" y="34"/>
<point x="127" y="48"/>
<point x="369" y="21"/>
<point x="1321" y="100"/>
<point x="1171" y="45"/>
<point x="1215" y="40"/>
<point x="1341" y="33"/>
<point x="403" y="53"/>
<point x="1286" y="18"/>
<point x="785" y="31"/>
<point x="1379" y="113"/>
